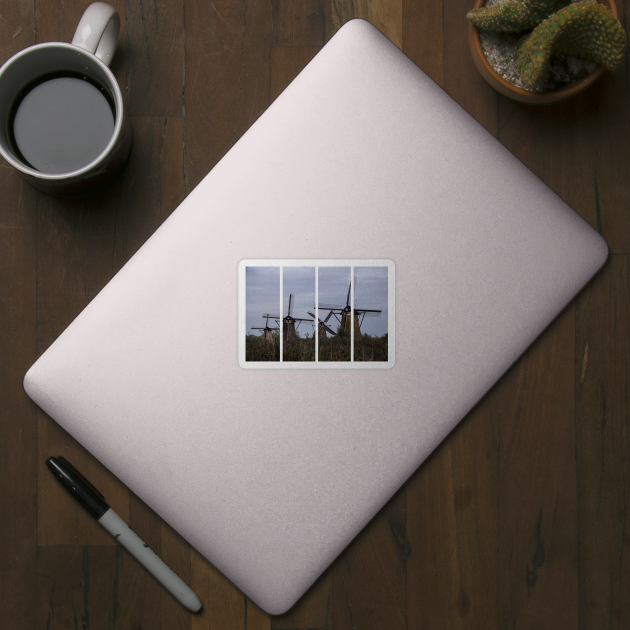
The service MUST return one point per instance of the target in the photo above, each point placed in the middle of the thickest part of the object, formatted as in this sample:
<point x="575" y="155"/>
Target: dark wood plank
<point x="572" y="147"/>
<point x="18" y="415"/>
<point x="285" y="64"/>
<point x="369" y="577"/>
<point x="76" y="587"/>
<point x="18" y="422"/>
<point x="461" y="78"/>
<point x="603" y="443"/>
<point x="608" y="128"/>
<point x="537" y="537"/>
<point x="171" y="159"/>
<point x="300" y="22"/>
<point x="255" y="618"/>
<point x="142" y="600"/>
<point x="313" y="609"/>
<point x="224" y="606"/>
<point x="422" y="36"/>
<point x="226" y="78"/>
<point x="578" y="148"/>
<point x="17" y="28"/>
<point x="565" y="146"/>
<point x="558" y="147"/>
<point x="154" y="57"/>
<point x="152" y="185"/>
<point x="57" y="23"/>
<point x="386" y="15"/>
<point x="452" y="527"/>
<point x="60" y="519"/>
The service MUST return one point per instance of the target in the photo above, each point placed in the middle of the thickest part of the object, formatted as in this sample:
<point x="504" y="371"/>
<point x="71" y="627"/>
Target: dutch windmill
<point x="266" y="334"/>
<point x="322" y="328"/>
<point x="288" y="322"/>
<point x="343" y="313"/>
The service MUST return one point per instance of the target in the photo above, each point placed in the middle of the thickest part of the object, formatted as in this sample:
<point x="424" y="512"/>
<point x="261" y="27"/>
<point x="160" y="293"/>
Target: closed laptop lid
<point x="364" y="175"/>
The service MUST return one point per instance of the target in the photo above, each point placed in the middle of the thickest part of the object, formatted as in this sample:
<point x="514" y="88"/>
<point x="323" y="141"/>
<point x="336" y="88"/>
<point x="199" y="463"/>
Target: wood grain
<point x="300" y="22"/>
<point x="602" y="380"/>
<point x="57" y="22"/>
<point x="573" y="149"/>
<point x="143" y="600"/>
<point x="537" y="511"/>
<point x="61" y="521"/>
<point x="151" y="187"/>
<point x="224" y="606"/>
<point x="226" y="78"/>
<point x="422" y="36"/>
<point x="285" y="64"/>
<point x="461" y="79"/>
<point x="313" y="610"/>
<point x="154" y="57"/>
<point x="369" y="577"/>
<point x="452" y="515"/>
<point x="18" y="416"/>
<point x="76" y="587"/>
<point x="517" y="520"/>
<point x="386" y="15"/>
<point x="609" y="134"/>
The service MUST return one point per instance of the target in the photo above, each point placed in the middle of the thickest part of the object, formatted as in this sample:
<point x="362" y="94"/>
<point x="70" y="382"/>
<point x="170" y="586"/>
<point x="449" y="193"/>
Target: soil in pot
<point x="501" y="49"/>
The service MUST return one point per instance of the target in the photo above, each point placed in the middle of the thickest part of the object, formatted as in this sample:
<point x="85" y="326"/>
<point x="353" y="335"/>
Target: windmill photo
<point x="322" y="328"/>
<point x="289" y="322"/>
<point x="343" y="313"/>
<point x="266" y="334"/>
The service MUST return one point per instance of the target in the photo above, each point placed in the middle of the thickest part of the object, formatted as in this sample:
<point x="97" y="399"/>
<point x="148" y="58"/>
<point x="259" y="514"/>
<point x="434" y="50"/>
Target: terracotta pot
<point x="518" y="94"/>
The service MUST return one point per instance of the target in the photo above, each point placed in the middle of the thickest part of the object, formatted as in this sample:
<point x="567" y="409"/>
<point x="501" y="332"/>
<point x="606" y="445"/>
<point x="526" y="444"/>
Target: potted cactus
<point x="558" y="49"/>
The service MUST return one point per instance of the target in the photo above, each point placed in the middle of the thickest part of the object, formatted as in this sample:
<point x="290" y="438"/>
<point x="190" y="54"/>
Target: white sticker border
<point x="319" y="365"/>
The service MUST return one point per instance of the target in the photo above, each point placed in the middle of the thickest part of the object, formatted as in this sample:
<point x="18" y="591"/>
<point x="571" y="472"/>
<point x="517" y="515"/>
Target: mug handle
<point x="98" y="30"/>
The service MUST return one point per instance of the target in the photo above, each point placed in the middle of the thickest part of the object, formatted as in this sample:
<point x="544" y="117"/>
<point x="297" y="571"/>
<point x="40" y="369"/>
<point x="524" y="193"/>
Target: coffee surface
<point x="62" y="124"/>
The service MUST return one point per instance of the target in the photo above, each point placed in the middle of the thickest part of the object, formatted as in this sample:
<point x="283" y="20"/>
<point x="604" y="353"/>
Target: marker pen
<point x="94" y="502"/>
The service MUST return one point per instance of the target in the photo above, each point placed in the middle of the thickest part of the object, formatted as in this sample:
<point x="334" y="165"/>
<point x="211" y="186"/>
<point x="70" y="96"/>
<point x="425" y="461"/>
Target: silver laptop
<point x="317" y="315"/>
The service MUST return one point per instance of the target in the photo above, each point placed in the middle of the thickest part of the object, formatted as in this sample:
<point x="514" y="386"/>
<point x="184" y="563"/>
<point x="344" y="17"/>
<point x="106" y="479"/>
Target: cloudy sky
<point x="299" y="281"/>
<point x="370" y="291"/>
<point x="263" y="294"/>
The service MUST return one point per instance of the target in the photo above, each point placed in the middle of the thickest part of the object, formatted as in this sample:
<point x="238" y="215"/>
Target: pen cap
<point x="78" y="486"/>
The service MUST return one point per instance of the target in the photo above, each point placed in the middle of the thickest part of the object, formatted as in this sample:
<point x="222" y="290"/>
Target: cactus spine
<point x="583" y="29"/>
<point x="513" y="16"/>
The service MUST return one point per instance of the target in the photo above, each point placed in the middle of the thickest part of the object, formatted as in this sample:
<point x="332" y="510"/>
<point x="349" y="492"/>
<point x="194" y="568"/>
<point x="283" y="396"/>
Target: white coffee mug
<point x="85" y="60"/>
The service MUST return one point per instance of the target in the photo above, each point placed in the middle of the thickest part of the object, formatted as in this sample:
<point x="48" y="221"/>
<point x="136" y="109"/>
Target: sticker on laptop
<point x="316" y="314"/>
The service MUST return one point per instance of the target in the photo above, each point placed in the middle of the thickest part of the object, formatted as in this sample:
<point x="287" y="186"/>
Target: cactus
<point x="584" y="29"/>
<point x="513" y="16"/>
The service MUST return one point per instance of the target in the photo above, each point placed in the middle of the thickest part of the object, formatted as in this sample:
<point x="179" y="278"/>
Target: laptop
<point x="316" y="316"/>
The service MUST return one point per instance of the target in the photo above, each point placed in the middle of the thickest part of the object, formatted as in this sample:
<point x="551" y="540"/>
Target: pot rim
<point x="512" y="91"/>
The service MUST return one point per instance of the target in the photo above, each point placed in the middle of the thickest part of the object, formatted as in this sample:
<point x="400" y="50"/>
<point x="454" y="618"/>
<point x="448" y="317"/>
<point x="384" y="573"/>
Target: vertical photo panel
<point x="298" y="313"/>
<point x="262" y="314"/>
<point x="371" y="314"/>
<point x="334" y="313"/>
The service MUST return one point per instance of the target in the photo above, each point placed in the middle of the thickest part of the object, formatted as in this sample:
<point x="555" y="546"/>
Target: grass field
<point x="330" y="349"/>
<point x="298" y="349"/>
<point x="258" y="350"/>
<point x="334" y="349"/>
<point x="371" y="349"/>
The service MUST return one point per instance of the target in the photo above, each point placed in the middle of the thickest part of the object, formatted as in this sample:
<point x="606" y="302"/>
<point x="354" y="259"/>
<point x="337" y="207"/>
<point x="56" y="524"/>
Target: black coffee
<point x="61" y="123"/>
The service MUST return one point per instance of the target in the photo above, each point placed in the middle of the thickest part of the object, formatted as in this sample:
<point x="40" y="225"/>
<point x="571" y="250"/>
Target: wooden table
<point x="518" y="520"/>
